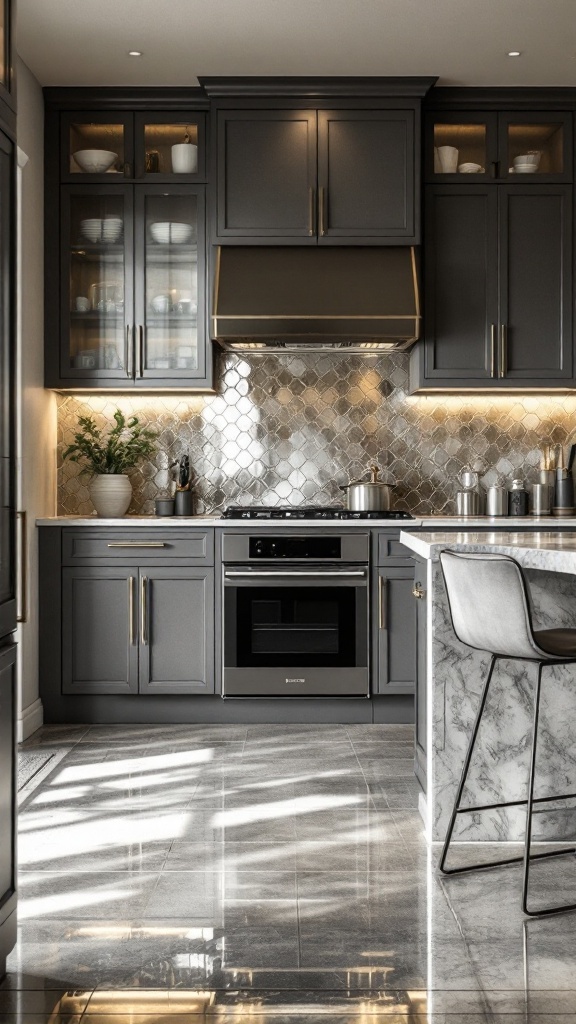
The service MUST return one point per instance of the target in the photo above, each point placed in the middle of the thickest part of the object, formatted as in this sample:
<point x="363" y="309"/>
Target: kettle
<point x="371" y="495"/>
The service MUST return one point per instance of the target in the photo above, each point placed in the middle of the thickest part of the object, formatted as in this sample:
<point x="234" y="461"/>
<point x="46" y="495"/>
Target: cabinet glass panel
<point x="535" y="149"/>
<point x="171" y="148"/>
<point x="97" y="318"/>
<point x="3" y="43"/>
<point x="96" y="148"/>
<point x="171" y="284"/>
<point x="459" y="148"/>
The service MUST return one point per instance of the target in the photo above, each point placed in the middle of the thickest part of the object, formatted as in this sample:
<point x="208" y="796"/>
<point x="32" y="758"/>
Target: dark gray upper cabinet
<point x="498" y="288"/>
<point x="7" y="60"/>
<point x="326" y="177"/>
<point x="177" y="631"/>
<point x="8" y="602"/>
<point x="8" y="802"/>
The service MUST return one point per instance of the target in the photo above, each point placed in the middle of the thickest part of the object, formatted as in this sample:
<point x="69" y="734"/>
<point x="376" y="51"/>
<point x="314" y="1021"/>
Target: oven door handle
<point x="294" y="574"/>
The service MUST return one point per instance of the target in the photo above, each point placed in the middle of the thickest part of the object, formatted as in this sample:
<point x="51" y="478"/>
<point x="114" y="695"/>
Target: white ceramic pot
<point x="111" y="494"/>
<point x="185" y="158"/>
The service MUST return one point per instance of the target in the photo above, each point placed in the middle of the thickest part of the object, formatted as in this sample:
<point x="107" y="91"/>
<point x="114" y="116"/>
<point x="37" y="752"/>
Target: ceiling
<point x="465" y="42"/>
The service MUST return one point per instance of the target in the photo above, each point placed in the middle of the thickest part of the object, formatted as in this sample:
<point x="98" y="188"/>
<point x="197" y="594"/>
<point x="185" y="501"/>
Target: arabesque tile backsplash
<point x="289" y="428"/>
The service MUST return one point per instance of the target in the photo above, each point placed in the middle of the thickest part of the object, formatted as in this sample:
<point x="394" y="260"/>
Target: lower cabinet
<point x="420" y="711"/>
<point x="8" y="804"/>
<point x="395" y="629"/>
<point x="137" y="629"/>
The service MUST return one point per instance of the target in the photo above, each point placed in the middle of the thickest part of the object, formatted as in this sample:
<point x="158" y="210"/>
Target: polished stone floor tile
<point x="265" y="874"/>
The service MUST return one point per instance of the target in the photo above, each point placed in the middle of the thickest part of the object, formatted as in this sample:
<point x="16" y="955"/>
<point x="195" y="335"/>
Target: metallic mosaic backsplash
<point x="289" y="428"/>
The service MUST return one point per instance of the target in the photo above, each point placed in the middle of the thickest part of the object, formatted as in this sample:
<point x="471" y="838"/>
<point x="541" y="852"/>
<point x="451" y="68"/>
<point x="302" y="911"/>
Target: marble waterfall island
<point x="454" y="679"/>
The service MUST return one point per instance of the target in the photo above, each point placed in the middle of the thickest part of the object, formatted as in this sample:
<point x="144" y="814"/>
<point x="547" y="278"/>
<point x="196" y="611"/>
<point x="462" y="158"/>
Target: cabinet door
<point x="266" y="171"/>
<point x="535" y="147"/>
<point x="170" y="284"/>
<point x="461" y="283"/>
<point x="96" y="274"/>
<point x="176" y="630"/>
<point x="461" y="145"/>
<point x="366" y="176"/>
<point x="536" y="282"/>
<point x="7" y="393"/>
<point x="155" y="135"/>
<point x="395" y="626"/>
<point x="420" y="741"/>
<point x="99" y="637"/>
<point x="7" y="90"/>
<point x="97" y="145"/>
<point x="8" y="802"/>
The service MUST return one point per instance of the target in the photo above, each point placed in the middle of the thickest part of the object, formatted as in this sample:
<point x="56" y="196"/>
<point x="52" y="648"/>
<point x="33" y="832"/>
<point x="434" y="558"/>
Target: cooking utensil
<point x="371" y="495"/>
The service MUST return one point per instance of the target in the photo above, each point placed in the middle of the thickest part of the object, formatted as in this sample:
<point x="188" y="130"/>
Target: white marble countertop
<point x="553" y="551"/>
<point x="426" y="522"/>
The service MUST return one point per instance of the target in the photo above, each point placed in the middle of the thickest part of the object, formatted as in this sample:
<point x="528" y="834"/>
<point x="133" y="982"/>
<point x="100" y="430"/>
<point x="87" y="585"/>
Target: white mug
<point x="185" y="158"/>
<point x="82" y="304"/>
<point x="448" y="156"/>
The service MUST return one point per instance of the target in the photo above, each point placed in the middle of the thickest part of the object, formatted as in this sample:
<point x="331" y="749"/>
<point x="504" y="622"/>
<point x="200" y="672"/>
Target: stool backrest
<point x="489" y="603"/>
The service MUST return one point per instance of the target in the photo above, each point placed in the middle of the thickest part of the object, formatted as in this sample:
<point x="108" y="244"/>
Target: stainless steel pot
<point x="368" y="495"/>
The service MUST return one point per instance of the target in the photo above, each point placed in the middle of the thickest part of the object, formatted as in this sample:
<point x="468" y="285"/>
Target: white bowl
<point x="165" y="232"/>
<point x="528" y="158"/>
<point x="525" y="168"/>
<point x="161" y="303"/>
<point x="94" y="161"/>
<point x="469" y="168"/>
<point x="98" y="229"/>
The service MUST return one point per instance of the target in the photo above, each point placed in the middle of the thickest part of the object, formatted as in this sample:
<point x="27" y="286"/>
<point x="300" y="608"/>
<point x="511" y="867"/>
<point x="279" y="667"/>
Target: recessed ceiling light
<point x="134" y="53"/>
<point x="514" y="53"/>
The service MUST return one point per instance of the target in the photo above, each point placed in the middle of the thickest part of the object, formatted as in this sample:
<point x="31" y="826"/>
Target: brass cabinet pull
<point x="503" y="350"/>
<point x="22" y="613"/>
<point x="140" y="350"/>
<point x="382" y="610"/>
<point x="322" y="193"/>
<point x="131" y="581"/>
<point x="492" y="350"/>
<point x="127" y="360"/>
<point x="144" y="611"/>
<point x="136" y="544"/>
<point x="418" y="591"/>
<point x="311" y="209"/>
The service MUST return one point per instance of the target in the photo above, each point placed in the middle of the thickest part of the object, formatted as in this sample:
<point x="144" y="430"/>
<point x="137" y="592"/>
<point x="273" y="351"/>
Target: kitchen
<point x="272" y="705"/>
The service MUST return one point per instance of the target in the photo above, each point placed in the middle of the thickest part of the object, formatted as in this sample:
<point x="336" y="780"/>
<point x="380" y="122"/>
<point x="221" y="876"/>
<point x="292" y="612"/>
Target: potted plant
<point x="108" y="458"/>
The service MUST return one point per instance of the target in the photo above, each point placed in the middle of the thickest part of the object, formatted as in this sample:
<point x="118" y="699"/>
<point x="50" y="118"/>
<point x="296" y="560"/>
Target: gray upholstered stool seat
<point x="491" y="611"/>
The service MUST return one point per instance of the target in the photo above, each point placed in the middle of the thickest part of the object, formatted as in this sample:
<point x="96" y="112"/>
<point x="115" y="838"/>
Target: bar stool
<point x="489" y="605"/>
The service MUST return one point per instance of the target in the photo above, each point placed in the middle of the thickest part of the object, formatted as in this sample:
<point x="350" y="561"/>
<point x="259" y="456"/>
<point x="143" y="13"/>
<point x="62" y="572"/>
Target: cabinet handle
<point x="136" y="544"/>
<point x="503" y="350"/>
<point x="418" y="591"/>
<point x="144" y="610"/>
<point x="492" y="350"/>
<point x="322" y="208"/>
<point x="131" y="580"/>
<point x="127" y="353"/>
<point x="127" y="170"/>
<point x="495" y="166"/>
<point x="140" y="350"/>
<point x="382" y="609"/>
<point x="311" y="209"/>
<point x="22" y="613"/>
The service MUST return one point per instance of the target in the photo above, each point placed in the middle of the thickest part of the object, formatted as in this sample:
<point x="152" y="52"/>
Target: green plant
<point x="126" y="444"/>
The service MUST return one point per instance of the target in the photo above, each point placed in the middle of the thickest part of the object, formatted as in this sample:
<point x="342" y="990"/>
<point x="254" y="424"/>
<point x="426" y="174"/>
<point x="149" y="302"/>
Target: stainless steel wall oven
<point x="295" y="615"/>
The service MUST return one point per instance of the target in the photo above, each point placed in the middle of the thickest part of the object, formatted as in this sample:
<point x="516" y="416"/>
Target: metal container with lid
<point x="371" y="495"/>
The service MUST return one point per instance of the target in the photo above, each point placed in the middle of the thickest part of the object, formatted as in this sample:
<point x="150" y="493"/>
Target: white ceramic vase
<point x="185" y="158"/>
<point x="111" y="494"/>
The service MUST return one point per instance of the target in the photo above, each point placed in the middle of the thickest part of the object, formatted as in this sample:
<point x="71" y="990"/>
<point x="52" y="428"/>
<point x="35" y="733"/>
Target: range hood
<point x="359" y="299"/>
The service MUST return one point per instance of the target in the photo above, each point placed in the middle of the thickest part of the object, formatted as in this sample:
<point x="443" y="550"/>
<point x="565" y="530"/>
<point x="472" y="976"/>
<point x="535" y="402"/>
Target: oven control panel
<point x="295" y="547"/>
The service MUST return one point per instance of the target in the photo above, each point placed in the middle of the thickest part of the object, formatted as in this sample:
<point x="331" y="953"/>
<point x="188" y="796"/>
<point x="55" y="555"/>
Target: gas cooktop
<point x="307" y="512"/>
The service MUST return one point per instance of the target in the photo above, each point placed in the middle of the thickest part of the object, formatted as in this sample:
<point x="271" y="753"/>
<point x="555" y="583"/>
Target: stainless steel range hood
<point x="359" y="299"/>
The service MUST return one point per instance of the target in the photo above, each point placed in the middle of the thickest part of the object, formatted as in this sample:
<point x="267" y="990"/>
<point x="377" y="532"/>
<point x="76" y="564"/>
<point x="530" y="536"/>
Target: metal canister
<point x="518" y="499"/>
<point x="467" y="503"/>
<point x="540" y="499"/>
<point x="496" y="501"/>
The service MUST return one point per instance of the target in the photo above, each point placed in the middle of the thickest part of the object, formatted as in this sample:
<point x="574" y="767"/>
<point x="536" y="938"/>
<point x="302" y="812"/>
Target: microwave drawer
<point x="133" y="547"/>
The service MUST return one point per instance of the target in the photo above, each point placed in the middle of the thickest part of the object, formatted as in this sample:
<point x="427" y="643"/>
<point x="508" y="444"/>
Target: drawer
<point x="390" y="551"/>
<point x="88" y="546"/>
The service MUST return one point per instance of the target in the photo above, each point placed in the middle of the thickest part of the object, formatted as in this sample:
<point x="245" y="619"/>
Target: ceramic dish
<point x="94" y="161"/>
<point x="166" y="232"/>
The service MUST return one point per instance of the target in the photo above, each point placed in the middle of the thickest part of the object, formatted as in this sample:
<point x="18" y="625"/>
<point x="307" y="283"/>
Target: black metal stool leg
<point x="529" y="814"/>
<point x="470" y="751"/>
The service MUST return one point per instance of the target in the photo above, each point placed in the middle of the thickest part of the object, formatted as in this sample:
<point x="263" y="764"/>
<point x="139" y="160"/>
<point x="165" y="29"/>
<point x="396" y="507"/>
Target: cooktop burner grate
<point x="337" y="512"/>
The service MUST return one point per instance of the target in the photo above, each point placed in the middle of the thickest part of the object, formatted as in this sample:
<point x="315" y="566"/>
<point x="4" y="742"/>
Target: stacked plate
<point x="101" y="229"/>
<point x="170" y="232"/>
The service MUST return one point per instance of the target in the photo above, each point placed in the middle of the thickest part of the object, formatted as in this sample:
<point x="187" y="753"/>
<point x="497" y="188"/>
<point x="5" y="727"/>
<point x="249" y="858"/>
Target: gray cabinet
<point x="99" y="641"/>
<point x="420" y="741"/>
<point x="8" y="802"/>
<point x="498" y="289"/>
<point x="137" y="629"/>
<point x="395" y="629"/>
<point x="176" y="631"/>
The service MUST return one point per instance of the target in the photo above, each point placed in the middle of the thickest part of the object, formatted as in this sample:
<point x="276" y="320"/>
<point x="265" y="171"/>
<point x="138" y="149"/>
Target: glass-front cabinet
<point x="503" y="146"/>
<point x="133" y="285"/>
<point x="156" y="146"/>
